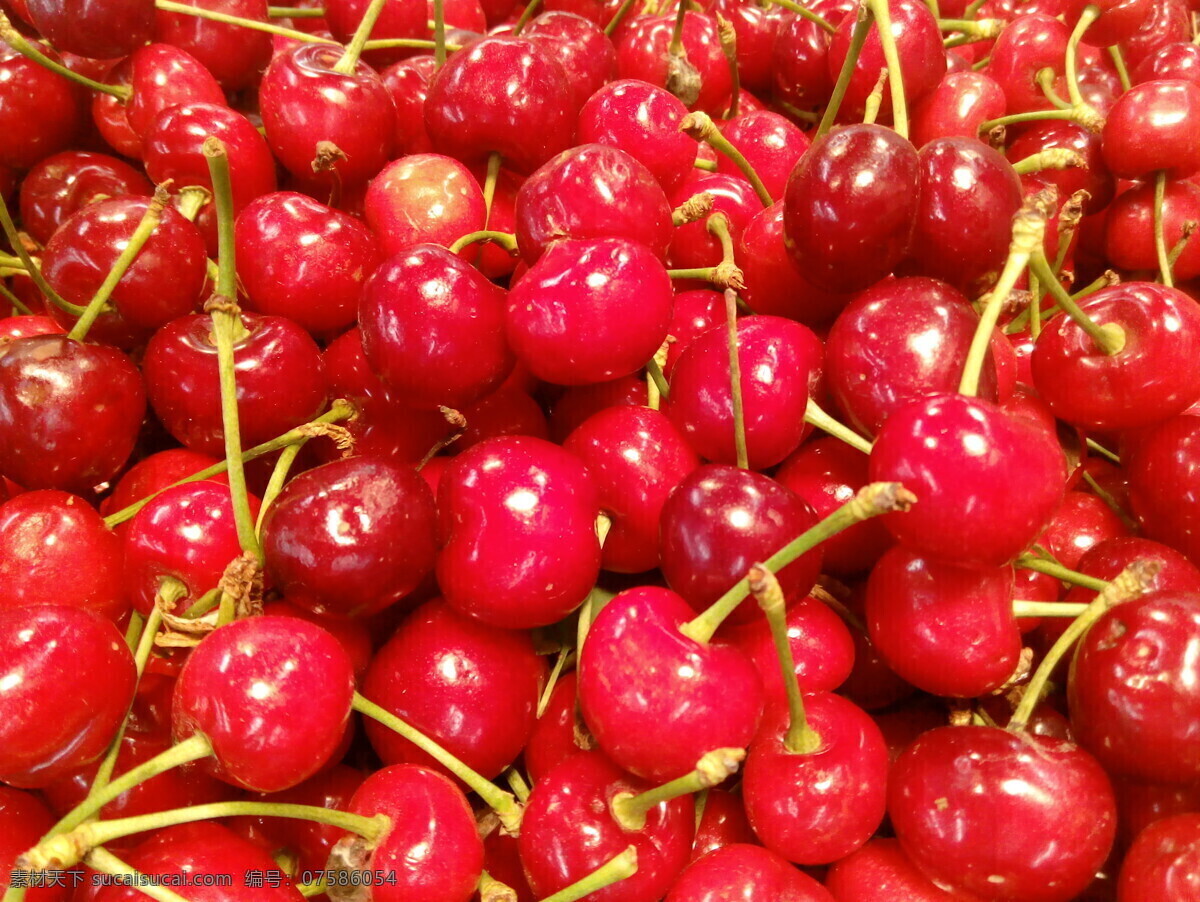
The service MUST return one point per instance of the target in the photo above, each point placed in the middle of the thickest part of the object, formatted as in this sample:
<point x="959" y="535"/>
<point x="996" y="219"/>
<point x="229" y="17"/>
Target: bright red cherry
<point x="721" y="823"/>
<point x="881" y="872"/>
<point x="799" y="57"/>
<point x="1027" y="45"/>
<point x="1117" y="19"/>
<point x="94" y="30"/>
<point x="24" y="820"/>
<point x="41" y="106"/>
<point x="1082" y="522"/>
<point x="1153" y="127"/>
<point x="748" y="872"/>
<point x="1093" y="177"/>
<point x="151" y="475"/>
<point x="408" y="83"/>
<point x="423" y="198"/>
<point x="772" y="145"/>
<point x="956" y="107"/>
<point x="65" y="182"/>
<point x="1163" y="862"/>
<point x="643" y="53"/>
<point x="692" y="244"/>
<point x="580" y="46"/>
<point x="1164" y="478"/>
<point x="397" y="19"/>
<point x="234" y="55"/>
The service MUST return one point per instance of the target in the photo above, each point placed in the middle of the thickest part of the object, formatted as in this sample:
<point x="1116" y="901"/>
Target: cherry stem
<point x="294" y="12"/>
<point x="339" y="410"/>
<point x="891" y="56"/>
<point x="35" y="272"/>
<point x="104" y="861"/>
<point x="30" y="50"/>
<point x="1086" y="18"/>
<point x="858" y="37"/>
<point x="527" y="13"/>
<point x="735" y="381"/>
<point x="503" y="803"/>
<point x="279" y="475"/>
<point x="1160" y="240"/>
<point x="398" y="43"/>
<point x="712" y="769"/>
<point x="349" y="61"/>
<point x="1131" y="582"/>
<point x="1052" y="158"/>
<point x="1028" y="231"/>
<point x="805" y="13"/>
<point x="1021" y="608"/>
<point x="871" y="500"/>
<point x="1045" y="79"/>
<point x="800" y="739"/>
<point x="1071" y="115"/>
<point x="1109" y="337"/>
<point x="1189" y="228"/>
<point x="1058" y="571"/>
<point x="492" y="890"/>
<point x="517" y="784"/>
<point x="1119" y="64"/>
<point x="190" y="200"/>
<point x="656" y="383"/>
<point x="137" y="241"/>
<point x="489" y="185"/>
<point x="17" y="305"/>
<point x="815" y="416"/>
<point x="304" y="37"/>
<point x="503" y="239"/>
<point x="704" y="166"/>
<point x="699" y="125"/>
<point x="66" y="849"/>
<point x="619" y="867"/>
<point x="695" y="207"/>
<point x="618" y="17"/>
<point x="565" y="655"/>
<point x="875" y="99"/>
<point x="727" y="35"/>
<point x="439" y="33"/>
<point x="675" y="47"/>
<point x="227" y="330"/>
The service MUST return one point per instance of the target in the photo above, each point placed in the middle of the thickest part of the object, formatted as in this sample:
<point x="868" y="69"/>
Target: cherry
<point x="799" y="57"/>
<point x="721" y="823"/>
<point x="1166" y="24"/>
<point x="41" y="106"/>
<point x="432" y="329"/>
<point x="956" y="107"/>
<point x="501" y="95"/>
<point x="636" y="458"/>
<point x="979" y="809"/>
<point x="397" y="19"/>
<point x="1175" y="61"/>
<point x="591" y="191"/>
<point x="1140" y="804"/>
<point x="234" y="55"/>
<point x="68" y="181"/>
<point x="506" y="411"/>
<point x="746" y="871"/>
<point x="423" y="198"/>
<point x="1152" y="127"/>
<point x="581" y="47"/>
<point x="68" y="679"/>
<point x="24" y="819"/>
<point x="778" y="358"/>
<point x="695" y="313"/>
<point x="1129" y="227"/>
<point x="351" y="537"/>
<point x="643" y="52"/>
<point x="1093" y="177"/>
<point x="160" y="76"/>
<point x="408" y="83"/>
<point x="557" y="732"/>
<point x="771" y="144"/>
<point x="850" y="206"/>
<point x="1164" y="476"/>
<point x="589" y="310"/>
<point x="55" y="549"/>
<point x="1116" y="19"/>
<point x="151" y="475"/>
<point x="1162" y="862"/>
<point x="1027" y="45"/>
<point x="69" y="412"/>
<point x="881" y="872"/>
<point x="517" y="519"/>
<point x="96" y="30"/>
<point x="960" y="456"/>
<point x="280" y="380"/>
<point x="1082" y="522"/>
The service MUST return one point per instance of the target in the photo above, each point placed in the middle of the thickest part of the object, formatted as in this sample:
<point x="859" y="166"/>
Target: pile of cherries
<point x="619" y="450"/>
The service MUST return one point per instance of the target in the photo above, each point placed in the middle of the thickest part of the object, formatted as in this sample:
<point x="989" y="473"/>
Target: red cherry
<point x="692" y="245"/>
<point x="756" y="28"/>
<point x="772" y="145"/>
<point x="881" y="872"/>
<point x="1118" y="19"/>
<point x="1093" y="177"/>
<point x="1175" y="61"/>
<point x="162" y="76"/>
<point x="643" y="53"/>
<point x="151" y="475"/>
<point x="423" y="198"/>
<point x="956" y="107"/>
<point x="24" y="820"/>
<point x="1080" y="523"/>
<point x="580" y="46"/>
<point x="1163" y="862"/>
<point x="506" y="411"/>
<point x="397" y="19"/>
<point x="1164" y="477"/>
<point x="1133" y="212"/>
<point x="96" y="30"/>
<point x="747" y="871"/>
<point x="234" y="55"/>
<point x="553" y="737"/>
<point x="61" y="184"/>
<point x="721" y="823"/>
<point x="1027" y="45"/>
<point x="1153" y="126"/>
<point x="408" y="83"/>
<point x="799" y="58"/>
<point x="41" y="106"/>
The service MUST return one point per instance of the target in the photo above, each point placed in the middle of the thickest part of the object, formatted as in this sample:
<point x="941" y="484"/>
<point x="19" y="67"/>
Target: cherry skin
<point x="501" y="95"/>
<point x="778" y="358"/>
<point x="1151" y="127"/>
<point x="722" y="823"/>
<point x="558" y="733"/>
<point x="65" y="182"/>
<point x="568" y="831"/>
<point x="423" y="198"/>
<point x="41" y="106"/>
<point x="756" y="29"/>
<point x="68" y="681"/>
<point x="636" y="458"/>
<point x="351" y="537"/>
<point x="1164" y="477"/>
<point x="980" y="809"/>
<point x="506" y="411"/>
<point x="432" y="329"/>
<point x="686" y="698"/>
<point x="881" y="872"/>
<point x="1082" y="522"/>
<point x="24" y="820"/>
<point x="1174" y="61"/>
<point x="770" y="142"/>
<point x="234" y="55"/>
<point x="946" y="629"/>
<point x="517" y="519"/>
<point x="1162" y="862"/>
<point x="239" y="687"/>
<point x="1026" y="46"/>
<point x="590" y="310"/>
<point x="95" y="30"/>
<point x="870" y="176"/>
<point x="397" y="19"/>
<point x="1166" y="24"/>
<point x="55" y="549"/>
<point x="579" y="402"/>
<point x="718" y="522"/>
<point x="1093" y="177"/>
<point x="961" y="456"/>
<point x="692" y="245"/>
<point x="408" y="83"/>
<point x="643" y="53"/>
<point x="747" y="872"/>
<point x="280" y="380"/>
<point x="956" y="107"/>
<point x="580" y="46"/>
<point x="69" y="412"/>
<point x="355" y="635"/>
<point x="151" y="475"/>
<point x="819" y="806"/>
<point x="799" y="57"/>
<point x="471" y="688"/>
<point x="1118" y="19"/>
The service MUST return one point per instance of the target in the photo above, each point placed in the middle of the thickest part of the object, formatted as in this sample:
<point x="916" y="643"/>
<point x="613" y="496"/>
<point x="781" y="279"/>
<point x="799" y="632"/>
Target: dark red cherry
<point x="1027" y="45"/>
<point x="506" y="411"/>
<point x="557" y="732"/>
<point x="963" y="458"/>
<point x="1163" y="862"/>
<point x="718" y="522"/>
<point x="234" y="55"/>
<point x="881" y="872"/>
<point x="643" y="53"/>
<point x="1129" y="227"/>
<point x="580" y="46"/>
<point x="695" y="313"/>
<point x="685" y="699"/>
<point x="351" y="537"/>
<point x="756" y="28"/>
<point x="162" y="76"/>
<point x="721" y="823"/>
<point x="1093" y="177"/>
<point x="61" y="184"/>
<point x="771" y="144"/>
<point x="1140" y="804"/>
<point x="95" y="30"/>
<point x="956" y="107"/>
<point x="850" y="206"/>
<point x="501" y="95"/>
<point x="745" y="871"/>
<point x="1164" y="478"/>
<point x="980" y="809"/>
<point x="1081" y="522"/>
<point x="41" y="106"/>
<point x="423" y="198"/>
<point x="470" y="687"/>
<point x="69" y="412"/>
<point x="800" y="57"/>
<point x="408" y="83"/>
<point x="67" y="680"/>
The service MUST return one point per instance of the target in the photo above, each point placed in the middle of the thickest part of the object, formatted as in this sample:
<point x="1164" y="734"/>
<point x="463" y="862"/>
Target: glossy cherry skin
<point x="61" y="184"/>
<point x="239" y="687"/>
<point x="504" y="95"/>
<point x="881" y="872"/>
<point x="692" y="245"/>
<point x="778" y="358"/>
<point x="817" y="807"/>
<point x="69" y="412"/>
<point x="280" y="380"/>
<point x="721" y="823"/>
<point x="946" y="629"/>
<point x="397" y="19"/>
<point x="234" y="55"/>
<point x="1152" y="127"/>
<point x="799" y="57"/>
<point x="1162" y="862"/>
<point x="718" y="522"/>
<point x="1094" y="177"/>
<point x="24" y="820"/>
<point x="1164" y="478"/>
<point x="471" y="688"/>
<point x="433" y="329"/>
<point x="558" y="733"/>
<point x="41" y="106"/>
<point x="1153" y="377"/>
<point x="186" y="532"/>
<point x="580" y="46"/>
<point x="1117" y="20"/>
<point x="592" y="191"/>
<point x="55" y="549"/>
<point x="408" y="83"/>
<point x="850" y="206"/>
<point x="636" y="458"/>
<point x="568" y="832"/>
<point x="1028" y="44"/>
<point x="91" y="29"/>
<point x="423" y="198"/>
<point x="1177" y="60"/>
<point x="351" y="537"/>
<point x="1082" y="522"/>
<point x="151" y="475"/>
<point x="686" y="699"/>
<point x="956" y="107"/>
<point x="643" y="53"/>
<point x="743" y="871"/>
<point x="770" y="142"/>
<point x="590" y="310"/>
<point x="962" y="457"/>
<point x="1133" y="211"/>
<point x="875" y="366"/>
<point x="517" y="519"/>
<point x="642" y="120"/>
<point x="506" y="411"/>
<point x="980" y="809"/>
<point x="68" y="679"/>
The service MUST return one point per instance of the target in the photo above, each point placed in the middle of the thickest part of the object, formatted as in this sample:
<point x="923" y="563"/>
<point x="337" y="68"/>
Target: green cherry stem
<point x="875" y="99"/>
<point x="564" y="657"/>
<point x="620" y="867"/>
<point x="618" y="17"/>
<point x="1086" y="18"/>
<point x="714" y="768"/>
<point x="295" y="12"/>
<point x="401" y="43"/>
<point x="735" y="381"/>
<point x="1045" y="79"/>
<point x="492" y="890"/>
<point x="530" y="10"/>
<point x="858" y="37"/>
<point x="439" y="33"/>
<point x="35" y="272"/>
<point x="349" y="61"/>
<point x="170" y="6"/>
<point x="1160" y="240"/>
<point x="1071" y="115"/>
<point x="727" y="35"/>
<point x="11" y="299"/>
<point x="1052" y="158"/>
<point x="137" y="241"/>
<point x="489" y="184"/>
<point x="503" y="803"/>
<point x="104" y="861"/>
<point x="871" y="500"/>
<point x="805" y="13"/>
<point x="1110" y="456"/>
<point x="815" y="416"/>
<point x="800" y="739"/>
<point x="1109" y="337"/>
<point x="725" y="274"/>
<point x="699" y="125"/>
<point x="503" y="239"/>
<point x="1058" y="571"/>
<point x="1022" y="608"/>
<point x="891" y="56"/>
<point x="18" y="42"/>
<point x="1119" y="64"/>
<point x="656" y="383"/>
